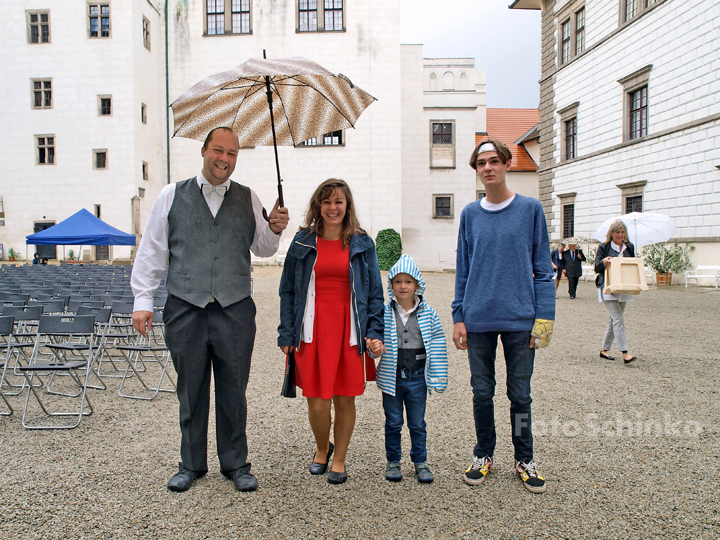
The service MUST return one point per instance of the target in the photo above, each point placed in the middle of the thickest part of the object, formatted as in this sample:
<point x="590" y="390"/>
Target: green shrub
<point x="389" y="248"/>
<point x="668" y="258"/>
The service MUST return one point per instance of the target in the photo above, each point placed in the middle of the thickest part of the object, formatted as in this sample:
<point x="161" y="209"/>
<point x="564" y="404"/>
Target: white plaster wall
<point x="368" y="53"/>
<point x="81" y="69"/>
<point x="677" y="38"/>
<point x="524" y="183"/>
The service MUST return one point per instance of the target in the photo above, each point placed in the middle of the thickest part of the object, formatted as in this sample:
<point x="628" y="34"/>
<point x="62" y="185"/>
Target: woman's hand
<point x="607" y="259"/>
<point x="375" y="346"/>
<point x="285" y="349"/>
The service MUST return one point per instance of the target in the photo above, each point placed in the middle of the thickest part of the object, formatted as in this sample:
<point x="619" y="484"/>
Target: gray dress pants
<point x="616" y="325"/>
<point x="218" y="339"/>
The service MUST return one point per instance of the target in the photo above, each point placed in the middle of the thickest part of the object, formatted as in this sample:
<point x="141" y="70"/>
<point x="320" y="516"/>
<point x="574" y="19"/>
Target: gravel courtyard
<point x="628" y="451"/>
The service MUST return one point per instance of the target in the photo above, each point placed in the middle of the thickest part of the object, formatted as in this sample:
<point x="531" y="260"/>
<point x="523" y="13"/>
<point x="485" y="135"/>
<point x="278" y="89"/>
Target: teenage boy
<point x="503" y="287"/>
<point x="414" y="364"/>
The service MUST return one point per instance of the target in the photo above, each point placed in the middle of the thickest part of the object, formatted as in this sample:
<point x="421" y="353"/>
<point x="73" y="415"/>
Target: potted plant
<point x="12" y="254"/>
<point x="71" y="255"/>
<point x="667" y="259"/>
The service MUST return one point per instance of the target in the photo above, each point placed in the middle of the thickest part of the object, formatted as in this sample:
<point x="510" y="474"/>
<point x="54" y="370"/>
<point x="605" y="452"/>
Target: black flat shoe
<point x="320" y="468"/>
<point x="632" y="359"/>
<point x="606" y="356"/>
<point x="182" y="480"/>
<point x="244" y="481"/>
<point x="337" y="477"/>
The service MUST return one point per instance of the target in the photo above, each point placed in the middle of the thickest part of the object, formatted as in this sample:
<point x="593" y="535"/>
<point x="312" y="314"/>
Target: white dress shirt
<point x="153" y="254"/>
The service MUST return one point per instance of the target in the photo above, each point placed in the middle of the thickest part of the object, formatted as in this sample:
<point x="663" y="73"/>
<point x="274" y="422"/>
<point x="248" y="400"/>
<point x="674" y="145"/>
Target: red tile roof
<point x="507" y="126"/>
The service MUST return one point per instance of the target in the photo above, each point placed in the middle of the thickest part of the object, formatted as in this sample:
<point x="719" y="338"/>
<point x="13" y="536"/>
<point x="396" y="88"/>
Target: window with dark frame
<point x="442" y="133"/>
<point x="38" y="26"/>
<point x="443" y="207"/>
<point x="46" y="150"/>
<point x="565" y="49"/>
<point x="99" y="20"/>
<point x="105" y="106"/>
<point x="571" y="138"/>
<point x="335" y="138"/>
<point x="240" y="16"/>
<point x="568" y="220"/>
<point x="333" y="15"/>
<point x="146" y="33"/>
<point x="638" y="113"/>
<point x="143" y="113"/>
<point x="631" y="9"/>
<point x="145" y="173"/>
<point x="308" y="15"/>
<point x="215" y="17"/>
<point x="100" y="159"/>
<point x="141" y="193"/>
<point x="42" y="94"/>
<point x="580" y="31"/>
<point x="633" y="204"/>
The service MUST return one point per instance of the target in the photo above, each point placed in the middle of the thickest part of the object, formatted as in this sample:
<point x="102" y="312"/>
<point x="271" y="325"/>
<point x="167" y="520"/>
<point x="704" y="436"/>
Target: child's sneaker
<point x="480" y="467"/>
<point x="393" y="472"/>
<point x="422" y="471"/>
<point x="530" y="477"/>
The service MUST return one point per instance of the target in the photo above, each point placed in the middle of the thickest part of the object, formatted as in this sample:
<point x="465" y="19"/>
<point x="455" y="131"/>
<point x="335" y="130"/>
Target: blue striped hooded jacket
<point x="436" y="364"/>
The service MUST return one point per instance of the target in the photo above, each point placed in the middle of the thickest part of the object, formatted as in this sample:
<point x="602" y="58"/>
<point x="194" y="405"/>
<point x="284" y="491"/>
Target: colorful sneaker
<point x="422" y="471"/>
<point x="530" y="477"/>
<point x="478" y="470"/>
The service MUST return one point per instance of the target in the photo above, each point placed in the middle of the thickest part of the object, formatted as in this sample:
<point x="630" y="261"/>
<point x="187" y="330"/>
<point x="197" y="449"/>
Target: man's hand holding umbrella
<point x="279" y="218"/>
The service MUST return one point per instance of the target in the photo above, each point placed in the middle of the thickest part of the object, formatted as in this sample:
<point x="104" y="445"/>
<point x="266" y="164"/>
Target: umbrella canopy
<point x="82" y="228"/>
<point x="307" y="101"/>
<point x="643" y="229"/>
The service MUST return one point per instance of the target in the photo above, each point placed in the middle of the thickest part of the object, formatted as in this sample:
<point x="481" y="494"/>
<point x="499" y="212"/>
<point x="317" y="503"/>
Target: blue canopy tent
<point x="82" y="228"/>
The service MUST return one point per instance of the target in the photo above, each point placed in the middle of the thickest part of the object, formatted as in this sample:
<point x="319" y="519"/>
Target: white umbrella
<point x="643" y="229"/>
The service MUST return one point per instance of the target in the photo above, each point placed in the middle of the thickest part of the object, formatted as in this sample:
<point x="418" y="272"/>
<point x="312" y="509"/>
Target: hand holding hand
<point x="375" y="346"/>
<point x="285" y="349"/>
<point x="460" y="336"/>
<point x="279" y="217"/>
<point x="541" y="333"/>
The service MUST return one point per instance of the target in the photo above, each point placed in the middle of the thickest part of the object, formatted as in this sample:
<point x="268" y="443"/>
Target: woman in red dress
<point x="331" y="313"/>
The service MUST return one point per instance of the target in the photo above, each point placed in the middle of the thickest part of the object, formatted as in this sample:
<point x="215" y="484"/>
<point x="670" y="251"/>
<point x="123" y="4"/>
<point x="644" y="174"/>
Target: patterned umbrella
<point x="270" y="102"/>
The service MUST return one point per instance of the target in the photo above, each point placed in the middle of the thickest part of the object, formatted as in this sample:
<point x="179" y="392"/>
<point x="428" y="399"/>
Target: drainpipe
<point x="167" y="95"/>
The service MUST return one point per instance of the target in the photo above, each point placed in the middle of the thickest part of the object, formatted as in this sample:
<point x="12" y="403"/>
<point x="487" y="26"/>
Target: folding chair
<point x="7" y="324"/>
<point x="139" y="356"/>
<point x="67" y="335"/>
<point x="119" y="332"/>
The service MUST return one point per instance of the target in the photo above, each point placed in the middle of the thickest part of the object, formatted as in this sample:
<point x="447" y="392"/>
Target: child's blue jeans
<point x="410" y="392"/>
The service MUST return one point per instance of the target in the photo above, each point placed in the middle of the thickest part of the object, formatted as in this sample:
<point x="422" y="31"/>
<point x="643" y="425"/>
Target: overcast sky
<point x="504" y="42"/>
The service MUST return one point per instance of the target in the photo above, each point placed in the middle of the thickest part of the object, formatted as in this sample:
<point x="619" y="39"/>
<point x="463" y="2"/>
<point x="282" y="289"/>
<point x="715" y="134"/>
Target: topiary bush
<point x="389" y="248"/>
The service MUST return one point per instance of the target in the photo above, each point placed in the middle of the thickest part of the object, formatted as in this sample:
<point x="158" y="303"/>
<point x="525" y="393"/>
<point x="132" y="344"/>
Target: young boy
<point x="414" y="364"/>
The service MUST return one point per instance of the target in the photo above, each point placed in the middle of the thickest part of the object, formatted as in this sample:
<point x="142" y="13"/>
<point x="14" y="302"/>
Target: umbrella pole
<point x="272" y="126"/>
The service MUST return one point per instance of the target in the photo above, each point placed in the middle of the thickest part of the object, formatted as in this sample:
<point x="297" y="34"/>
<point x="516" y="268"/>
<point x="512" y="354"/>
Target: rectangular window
<point x="42" y="94"/>
<point x="638" y="113"/>
<point x="565" y="50"/>
<point x="143" y="113"/>
<point x="571" y="138"/>
<point x="146" y="33"/>
<point x="631" y="9"/>
<point x="240" y="16"/>
<point x="568" y="220"/>
<point x="45" y="149"/>
<point x="329" y="139"/>
<point x="215" y="17"/>
<point x="145" y="173"/>
<point x="633" y="204"/>
<point x="333" y="15"/>
<point x="141" y="193"/>
<point x="442" y="145"/>
<point x="308" y="14"/>
<point x="104" y="105"/>
<point x="98" y="20"/>
<point x="100" y="159"/>
<point x="580" y="31"/>
<point x="443" y="206"/>
<point x="38" y="26"/>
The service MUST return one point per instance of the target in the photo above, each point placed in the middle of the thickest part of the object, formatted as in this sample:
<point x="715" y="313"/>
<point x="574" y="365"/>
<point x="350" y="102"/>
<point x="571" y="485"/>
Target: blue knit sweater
<point x="504" y="278"/>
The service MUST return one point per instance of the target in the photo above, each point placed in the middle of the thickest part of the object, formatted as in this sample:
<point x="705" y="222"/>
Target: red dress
<point x="329" y="366"/>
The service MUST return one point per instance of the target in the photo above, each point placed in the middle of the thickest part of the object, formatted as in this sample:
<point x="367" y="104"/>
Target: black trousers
<point x="572" y="285"/>
<point x="221" y="339"/>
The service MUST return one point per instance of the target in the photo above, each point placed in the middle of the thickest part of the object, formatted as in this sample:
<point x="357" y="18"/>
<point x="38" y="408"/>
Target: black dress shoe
<point x="337" y="477"/>
<point x="244" y="481"/>
<point x="606" y="356"/>
<point x="320" y="468"/>
<point x="182" y="480"/>
<point x="631" y="359"/>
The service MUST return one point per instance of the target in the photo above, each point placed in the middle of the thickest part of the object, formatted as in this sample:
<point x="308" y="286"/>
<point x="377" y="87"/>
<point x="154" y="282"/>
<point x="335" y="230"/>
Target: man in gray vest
<point x="202" y="230"/>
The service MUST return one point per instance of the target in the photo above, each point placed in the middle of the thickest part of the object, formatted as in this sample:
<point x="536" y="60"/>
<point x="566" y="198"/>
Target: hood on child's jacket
<point x="405" y="265"/>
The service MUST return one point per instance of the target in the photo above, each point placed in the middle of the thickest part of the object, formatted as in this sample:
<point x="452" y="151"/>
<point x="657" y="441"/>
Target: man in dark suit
<point x="572" y="260"/>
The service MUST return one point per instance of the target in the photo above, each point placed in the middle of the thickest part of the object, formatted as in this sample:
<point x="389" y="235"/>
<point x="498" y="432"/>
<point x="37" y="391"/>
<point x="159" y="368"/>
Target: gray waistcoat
<point x="210" y="257"/>
<point x="408" y="335"/>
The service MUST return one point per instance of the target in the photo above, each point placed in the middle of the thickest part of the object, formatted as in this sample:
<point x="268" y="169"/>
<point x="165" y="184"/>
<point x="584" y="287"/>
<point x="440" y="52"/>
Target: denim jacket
<point x="365" y="281"/>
